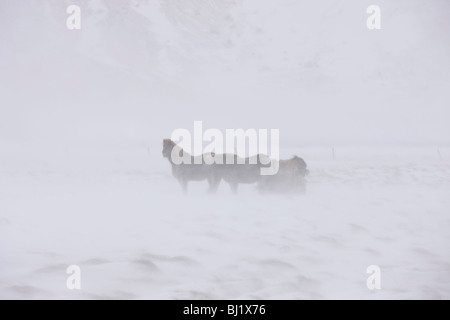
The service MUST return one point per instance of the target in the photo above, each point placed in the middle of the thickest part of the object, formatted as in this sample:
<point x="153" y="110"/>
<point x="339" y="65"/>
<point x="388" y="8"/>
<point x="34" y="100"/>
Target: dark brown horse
<point x="242" y="170"/>
<point x="190" y="171"/>
<point x="235" y="170"/>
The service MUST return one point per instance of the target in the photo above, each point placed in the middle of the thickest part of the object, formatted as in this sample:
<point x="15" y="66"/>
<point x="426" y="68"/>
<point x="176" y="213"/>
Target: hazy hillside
<point x="311" y="69"/>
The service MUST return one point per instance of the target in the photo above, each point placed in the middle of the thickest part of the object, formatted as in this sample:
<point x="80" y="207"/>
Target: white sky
<point x="312" y="70"/>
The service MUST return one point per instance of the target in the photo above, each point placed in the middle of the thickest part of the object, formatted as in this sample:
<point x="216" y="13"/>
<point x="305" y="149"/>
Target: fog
<point x="83" y="181"/>
<point x="140" y="69"/>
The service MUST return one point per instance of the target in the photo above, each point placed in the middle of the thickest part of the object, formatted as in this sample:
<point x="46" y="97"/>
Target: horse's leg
<point x="234" y="187"/>
<point x="184" y="185"/>
<point x="260" y="188"/>
<point x="300" y="184"/>
<point x="295" y="181"/>
<point x="214" y="182"/>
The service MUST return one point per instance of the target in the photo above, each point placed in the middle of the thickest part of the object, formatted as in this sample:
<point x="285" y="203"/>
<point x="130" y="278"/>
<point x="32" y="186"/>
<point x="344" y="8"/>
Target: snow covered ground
<point x="134" y="234"/>
<point x="83" y="182"/>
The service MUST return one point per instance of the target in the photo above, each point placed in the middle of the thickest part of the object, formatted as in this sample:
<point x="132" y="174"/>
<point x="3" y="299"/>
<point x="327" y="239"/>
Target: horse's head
<point x="168" y="145"/>
<point x="300" y="165"/>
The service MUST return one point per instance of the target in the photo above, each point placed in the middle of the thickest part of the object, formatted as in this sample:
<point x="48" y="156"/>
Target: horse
<point x="291" y="177"/>
<point x="215" y="167"/>
<point x="190" y="171"/>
